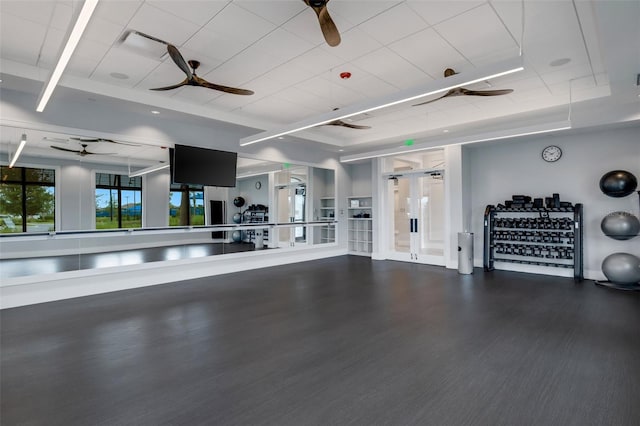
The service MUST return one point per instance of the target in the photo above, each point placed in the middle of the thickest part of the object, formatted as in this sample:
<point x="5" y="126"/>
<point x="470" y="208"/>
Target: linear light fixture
<point x="23" y="142"/>
<point x="433" y="87"/>
<point x="149" y="170"/>
<point x="74" y="38"/>
<point x="493" y="136"/>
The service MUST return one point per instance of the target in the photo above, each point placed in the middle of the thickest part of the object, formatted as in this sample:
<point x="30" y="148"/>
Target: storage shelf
<point x="360" y="229"/>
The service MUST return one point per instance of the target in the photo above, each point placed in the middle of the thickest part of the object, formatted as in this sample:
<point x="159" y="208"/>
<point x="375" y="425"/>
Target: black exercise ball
<point x="620" y="225"/>
<point x="618" y="183"/>
<point x="238" y="201"/>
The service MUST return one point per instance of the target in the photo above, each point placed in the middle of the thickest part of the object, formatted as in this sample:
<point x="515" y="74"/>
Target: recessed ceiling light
<point x="119" y="75"/>
<point x="341" y="150"/>
<point x="560" y="62"/>
<point x="445" y="131"/>
<point x="280" y="137"/>
<point x="155" y="112"/>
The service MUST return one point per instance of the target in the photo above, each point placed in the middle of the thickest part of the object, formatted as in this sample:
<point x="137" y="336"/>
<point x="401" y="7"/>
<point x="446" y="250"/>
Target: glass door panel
<point x="430" y="203"/>
<point x="400" y="200"/>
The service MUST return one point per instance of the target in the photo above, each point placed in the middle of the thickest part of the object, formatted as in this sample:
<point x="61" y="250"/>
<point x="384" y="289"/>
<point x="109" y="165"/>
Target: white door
<point x="291" y="201"/>
<point x="416" y="208"/>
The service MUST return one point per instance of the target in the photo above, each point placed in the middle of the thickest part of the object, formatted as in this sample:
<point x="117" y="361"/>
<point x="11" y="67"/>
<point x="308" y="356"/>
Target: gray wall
<point x="500" y="170"/>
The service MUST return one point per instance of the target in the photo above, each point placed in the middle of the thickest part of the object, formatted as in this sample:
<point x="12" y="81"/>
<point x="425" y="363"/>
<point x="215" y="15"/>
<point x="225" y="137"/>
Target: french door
<point x="291" y="201"/>
<point x="416" y="210"/>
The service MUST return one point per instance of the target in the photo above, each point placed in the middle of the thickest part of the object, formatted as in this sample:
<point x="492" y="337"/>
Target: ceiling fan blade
<point x="449" y="93"/>
<point x="85" y="152"/>
<point x="348" y="125"/>
<point x="66" y="149"/>
<point x="486" y="92"/>
<point x="179" y="60"/>
<point x="175" y="86"/>
<point x="328" y="27"/>
<point x="204" y="83"/>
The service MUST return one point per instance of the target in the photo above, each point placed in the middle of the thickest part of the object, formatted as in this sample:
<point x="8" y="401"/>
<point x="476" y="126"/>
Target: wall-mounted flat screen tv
<point x="211" y="167"/>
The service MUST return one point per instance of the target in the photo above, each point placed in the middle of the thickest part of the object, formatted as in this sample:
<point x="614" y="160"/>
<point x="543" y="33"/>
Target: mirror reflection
<point x="68" y="197"/>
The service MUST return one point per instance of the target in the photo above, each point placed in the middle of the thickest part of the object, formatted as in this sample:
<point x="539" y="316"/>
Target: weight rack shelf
<point x="534" y="236"/>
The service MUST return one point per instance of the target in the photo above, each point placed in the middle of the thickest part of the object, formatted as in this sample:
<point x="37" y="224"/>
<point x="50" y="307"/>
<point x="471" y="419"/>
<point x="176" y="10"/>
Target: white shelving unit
<point x="360" y="229"/>
<point x="328" y="212"/>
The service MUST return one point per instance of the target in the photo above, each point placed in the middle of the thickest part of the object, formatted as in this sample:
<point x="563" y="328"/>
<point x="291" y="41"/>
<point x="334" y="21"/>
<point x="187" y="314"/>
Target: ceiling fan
<point x="461" y="91"/>
<point x="192" y="79"/>
<point x="329" y="29"/>
<point x="81" y="140"/>
<point x="345" y="124"/>
<point x="82" y="152"/>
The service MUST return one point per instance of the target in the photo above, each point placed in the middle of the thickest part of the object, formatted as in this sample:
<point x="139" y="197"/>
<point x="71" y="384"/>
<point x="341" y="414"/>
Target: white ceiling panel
<point x="119" y="12"/>
<point x="39" y="12"/>
<point x="568" y="73"/>
<point x="91" y="49"/>
<point x="163" y="25"/>
<point x="477" y="33"/>
<point x="551" y="31"/>
<point x="390" y="67"/>
<point x="311" y="63"/>
<point x="430" y="52"/>
<point x="199" y="12"/>
<point x="20" y="39"/>
<point x="355" y="43"/>
<point x="51" y="48"/>
<point x="246" y="66"/>
<point x="282" y="44"/>
<point x="332" y="90"/>
<point x="102" y="31"/>
<point x="237" y="23"/>
<point x="79" y="66"/>
<point x="276" y="12"/>
<point x="122" y="61"/>
<point x="215" y="45"/>
<point x="398" y="22"/>
<point x="360" y="11"/>
<point x="434" y="11"/>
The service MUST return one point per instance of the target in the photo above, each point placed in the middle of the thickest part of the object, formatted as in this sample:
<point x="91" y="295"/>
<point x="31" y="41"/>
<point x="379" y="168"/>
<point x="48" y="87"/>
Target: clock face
<point x="551" y="153"/>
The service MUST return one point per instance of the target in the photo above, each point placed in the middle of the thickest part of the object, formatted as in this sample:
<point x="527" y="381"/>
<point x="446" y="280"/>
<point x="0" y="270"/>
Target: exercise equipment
<point x="622" y="268"/>
<point x="237" y="218"/>
<point x="236" y="236"/>
<point x="238" y="201"/>
<point x="620" y="225"/>
<point x="618" y="183"/>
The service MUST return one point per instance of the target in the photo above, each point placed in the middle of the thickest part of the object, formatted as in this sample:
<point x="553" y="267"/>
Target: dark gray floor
<point x="342" y="341"/>
<point x="10" y="268"/>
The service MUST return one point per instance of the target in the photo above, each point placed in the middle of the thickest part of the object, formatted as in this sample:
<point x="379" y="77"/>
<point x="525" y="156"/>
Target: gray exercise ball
<point x="622" y="268"/>
<point x="237" y="218"/>
<point x="236" y="236"/>
<point x="620" y="225"/>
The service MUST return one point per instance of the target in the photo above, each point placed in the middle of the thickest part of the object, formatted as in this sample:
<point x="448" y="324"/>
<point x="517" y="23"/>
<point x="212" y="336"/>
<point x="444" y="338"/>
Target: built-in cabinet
<point x="360" y="227"/>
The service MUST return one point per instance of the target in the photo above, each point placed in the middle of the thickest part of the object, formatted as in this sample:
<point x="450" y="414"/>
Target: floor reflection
<point x="10" y="268"/>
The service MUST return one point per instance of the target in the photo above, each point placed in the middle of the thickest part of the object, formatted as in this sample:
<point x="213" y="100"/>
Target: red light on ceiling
<point x="344" y="75"/>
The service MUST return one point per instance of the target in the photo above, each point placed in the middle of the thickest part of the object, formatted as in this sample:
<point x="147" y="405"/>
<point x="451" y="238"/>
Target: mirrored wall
<point x="72" y="210"/>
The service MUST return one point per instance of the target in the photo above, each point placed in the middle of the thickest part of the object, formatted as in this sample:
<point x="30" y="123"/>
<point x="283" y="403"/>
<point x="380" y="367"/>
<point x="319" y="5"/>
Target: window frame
<point x="120" y="174"/>
<point x="56" y="190"/>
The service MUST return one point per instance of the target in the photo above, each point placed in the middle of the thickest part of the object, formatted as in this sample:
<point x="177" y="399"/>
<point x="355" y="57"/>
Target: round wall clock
<point x="258" y="185"/>
<point x="551" y="153"/>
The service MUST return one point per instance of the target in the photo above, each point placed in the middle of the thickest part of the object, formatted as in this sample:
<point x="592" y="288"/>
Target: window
<point x="183" y="199"/>
<point x="118" y="201"/>
<point x="27" y="200"/>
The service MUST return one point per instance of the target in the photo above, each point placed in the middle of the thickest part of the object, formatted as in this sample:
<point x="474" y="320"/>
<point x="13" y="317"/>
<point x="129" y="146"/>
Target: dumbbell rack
<point x="534" y="236"/>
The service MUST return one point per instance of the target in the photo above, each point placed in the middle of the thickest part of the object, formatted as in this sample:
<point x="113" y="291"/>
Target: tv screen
<point x="211" y="167"/>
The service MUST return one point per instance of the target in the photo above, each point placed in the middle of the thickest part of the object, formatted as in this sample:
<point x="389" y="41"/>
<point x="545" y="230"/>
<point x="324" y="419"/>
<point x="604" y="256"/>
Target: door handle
<point x="410" y="226"/>
<point x="415" y="225"/>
